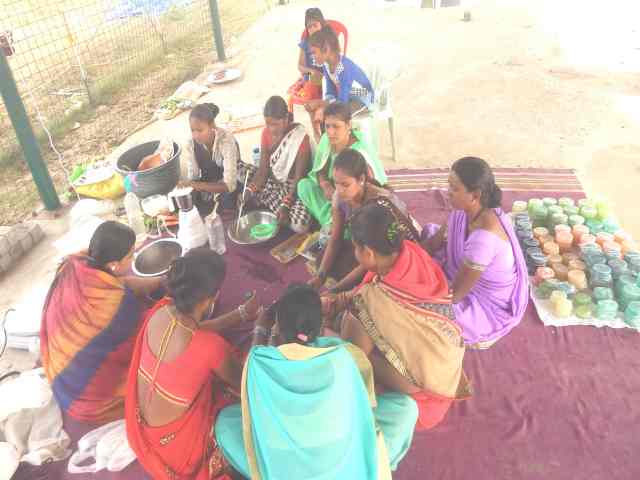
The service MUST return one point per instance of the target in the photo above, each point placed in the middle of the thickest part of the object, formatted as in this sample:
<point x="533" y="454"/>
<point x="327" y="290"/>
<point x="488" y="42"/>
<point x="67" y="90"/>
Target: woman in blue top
<point x="311" y="70"/>
<point x="309" y="409"/>
<point x="344" y="81"/>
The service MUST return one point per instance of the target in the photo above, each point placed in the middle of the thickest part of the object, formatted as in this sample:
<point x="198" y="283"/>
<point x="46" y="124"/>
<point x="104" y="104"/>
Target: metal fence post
<point x="24" y="132"/>
<point x="217" y="29"/>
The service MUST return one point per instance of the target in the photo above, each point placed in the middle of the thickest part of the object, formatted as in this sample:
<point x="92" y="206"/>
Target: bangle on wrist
<point x="243" y="313"/>
<point x="259" y="330"/>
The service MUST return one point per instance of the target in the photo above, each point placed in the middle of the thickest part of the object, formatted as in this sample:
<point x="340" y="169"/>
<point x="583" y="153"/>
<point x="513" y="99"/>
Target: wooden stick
<point x="244" y="189"/>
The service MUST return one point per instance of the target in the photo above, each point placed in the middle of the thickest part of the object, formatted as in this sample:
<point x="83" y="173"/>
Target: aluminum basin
<point x="154" y="259"/>
<point x="240" y="232"/>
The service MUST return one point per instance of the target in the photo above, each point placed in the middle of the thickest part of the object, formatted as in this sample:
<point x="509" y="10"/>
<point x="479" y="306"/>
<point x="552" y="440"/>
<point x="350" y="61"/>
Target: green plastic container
<point x="584" y="311"/>
<point x="602" y="293"/>
<point x="582" y="298"/>
<point x="607" y="310"/>
<point x="632" y="315"/>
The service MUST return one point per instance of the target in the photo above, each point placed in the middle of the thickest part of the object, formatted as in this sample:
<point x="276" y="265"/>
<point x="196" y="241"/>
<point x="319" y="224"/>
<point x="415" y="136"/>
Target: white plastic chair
<point x="381" y="76"/>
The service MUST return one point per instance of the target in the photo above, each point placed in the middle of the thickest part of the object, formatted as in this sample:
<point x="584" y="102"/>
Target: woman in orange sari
<point x="183" y="373"/>
<point x="401" y="317"/>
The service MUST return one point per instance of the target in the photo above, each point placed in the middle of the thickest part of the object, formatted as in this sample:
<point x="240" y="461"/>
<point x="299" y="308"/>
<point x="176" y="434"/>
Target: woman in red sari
<point x="183" y="373"/>
<point x="401" y="317"/>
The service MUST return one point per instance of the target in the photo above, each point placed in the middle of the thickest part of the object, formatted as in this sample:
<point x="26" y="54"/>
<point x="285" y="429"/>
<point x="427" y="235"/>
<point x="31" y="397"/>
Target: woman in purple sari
<point x="482" y="257"/>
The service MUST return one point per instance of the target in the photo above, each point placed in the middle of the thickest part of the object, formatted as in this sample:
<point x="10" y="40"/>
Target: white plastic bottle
<point x="215" y="231"/>
<point x="134" y="213"/>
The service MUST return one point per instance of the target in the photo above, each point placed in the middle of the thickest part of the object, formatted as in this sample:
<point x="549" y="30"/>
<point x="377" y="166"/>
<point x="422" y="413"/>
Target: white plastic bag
<point x="192" y="232"/>
<point x="30" y="419"/>
<point x="109" y="447"/>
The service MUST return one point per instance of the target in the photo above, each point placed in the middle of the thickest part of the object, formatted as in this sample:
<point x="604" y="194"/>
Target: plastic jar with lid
<point x="556" y="296"/>
<point x="584" y="311"/>
<point x="557" y="219"/>
<point x="588" y="238"/>
<point x="535" y="261"/>
<point x="542" y="274"/>
<point x="564" y="241"/>
<point x="548" y="201"/>
<point x="606" y="309"/>
<point x="603" y="237"/>
<point x="586" y="202"/>
<point x="542" y="291"/>
<point x="633" y="260"/>
<point x="560" y="270"/>
<point x="588" y="212"/>
<point x="632" y="315"/>
<point x="600" y="269"/>
<point x="602" y="293"/>
<point x="578" y="279"/>
<point x="540" y="232"/>
<point x="561" y="227"/>
<point x="628" y="294"/>
<point x="575" y="220"/>
<point x="551" y="248"/>
<point x="577" y="264"/>
<point x="578" y="231"/>
<point x="524" y="235"/>
<point x="530" y="243"/>
<point x="582" y="298"/>
<point x="612" y="250"/>
<point x="610" y="225"/>
<point x="622" y="282"/>
<point x="563" y="308"/>
<point x="524" y="224"/>
<point x="591" y="259"/>
<point x="595" y="226"/>
<point x="618" y="267"/>
<point x="567" y="257"/>
<point x="569" y="290"/>
<point x="535" y="202"/>
<point x="566" y="202"/>
<point x="519" y="206"/>
<point x="572" y="212"/>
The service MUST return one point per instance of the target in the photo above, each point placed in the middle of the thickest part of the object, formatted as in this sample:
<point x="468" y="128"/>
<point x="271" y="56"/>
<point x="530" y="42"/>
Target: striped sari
<point x="89" y="325"/>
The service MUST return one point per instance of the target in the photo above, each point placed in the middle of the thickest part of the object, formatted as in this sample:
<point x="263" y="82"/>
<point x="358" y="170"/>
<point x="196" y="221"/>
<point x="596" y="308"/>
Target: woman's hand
<point x="328" y="303"/>
<point x="186" y="184"/>
<point x="252" y="307"/>
<point x="316" y="282"/>
<point x="265" y="318"/>
<point x="283" y="216"/>
<point x="328" y="189"/>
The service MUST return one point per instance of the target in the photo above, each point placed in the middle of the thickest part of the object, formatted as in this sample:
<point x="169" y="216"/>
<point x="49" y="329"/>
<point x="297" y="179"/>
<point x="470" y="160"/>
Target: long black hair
<point x="313" y="14"/>
<point x="375" y="227"/>
<point x="276" y="107"/>
<point x="194" y="277"/>
<point x="339" y="110"/>
<point x="476" y="175"/>
<point x="205" y="112"/>
<point x="299" y="314"/>
<point x="111" y="242"/>
<point x="353" y="163"/>
<point x="325" y="38"/>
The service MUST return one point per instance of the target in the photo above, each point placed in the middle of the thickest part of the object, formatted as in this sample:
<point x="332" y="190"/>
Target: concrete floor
<point x="530" y="84"/>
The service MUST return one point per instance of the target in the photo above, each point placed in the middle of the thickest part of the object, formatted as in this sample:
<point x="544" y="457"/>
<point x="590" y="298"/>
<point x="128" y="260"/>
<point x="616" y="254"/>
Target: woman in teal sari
<point x="309" y="409"/>
<point x="317" y="189"/>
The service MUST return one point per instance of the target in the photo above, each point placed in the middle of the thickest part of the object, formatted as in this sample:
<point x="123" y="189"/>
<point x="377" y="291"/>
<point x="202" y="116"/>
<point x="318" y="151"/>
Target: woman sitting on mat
<point x="290" y="425"/>
<point x="401" y="316"/>
<point x="317" y="189"/>
<point x="355" y="188"/>
<point x="209" y="160"/>
<point x="285" y="160"/>
<point x="310" y="85"/>
<point x="344" y="81"/>
<point x="91" y="317"/>
<point x="183" y="373"/>
<point x="483" y="259"/>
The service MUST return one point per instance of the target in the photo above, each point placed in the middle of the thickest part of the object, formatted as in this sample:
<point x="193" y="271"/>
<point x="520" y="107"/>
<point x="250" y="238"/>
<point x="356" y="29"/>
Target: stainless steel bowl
<point x="241" y="233"/>
<point x="154" y="259"/>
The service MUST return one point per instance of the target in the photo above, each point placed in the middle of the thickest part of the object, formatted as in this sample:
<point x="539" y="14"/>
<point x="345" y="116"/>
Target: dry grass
<point x="126" y="83"/>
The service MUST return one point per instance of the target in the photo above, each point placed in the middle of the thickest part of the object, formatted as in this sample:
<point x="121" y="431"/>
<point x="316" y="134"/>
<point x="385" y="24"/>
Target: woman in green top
<point x="317" y="189"/>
